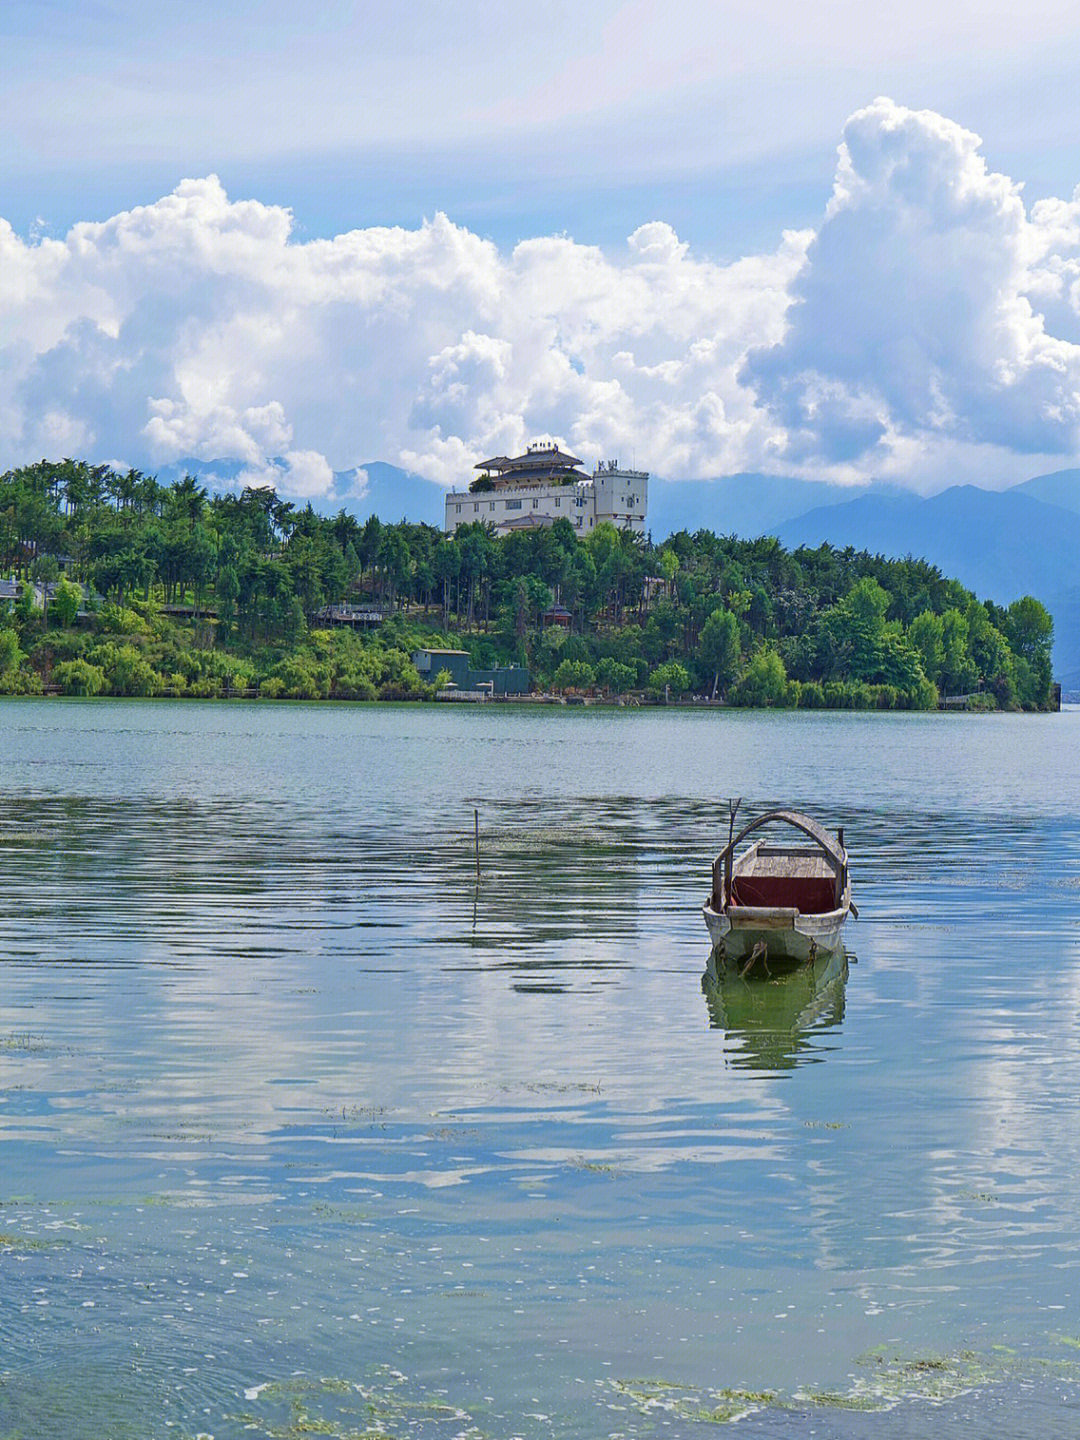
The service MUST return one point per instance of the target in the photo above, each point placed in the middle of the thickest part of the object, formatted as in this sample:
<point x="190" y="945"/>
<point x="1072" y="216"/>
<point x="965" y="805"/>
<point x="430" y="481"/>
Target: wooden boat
<point x="779" y="902"/>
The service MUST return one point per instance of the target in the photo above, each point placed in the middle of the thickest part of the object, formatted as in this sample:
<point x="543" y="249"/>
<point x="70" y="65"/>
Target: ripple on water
<point x="286" y="1094"/>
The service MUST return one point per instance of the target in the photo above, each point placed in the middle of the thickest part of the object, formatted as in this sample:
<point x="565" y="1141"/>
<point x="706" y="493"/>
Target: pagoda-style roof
<point x="539" y="463"/>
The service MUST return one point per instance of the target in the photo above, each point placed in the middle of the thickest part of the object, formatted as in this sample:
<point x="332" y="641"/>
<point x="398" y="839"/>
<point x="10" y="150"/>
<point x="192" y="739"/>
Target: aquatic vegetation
<point x="594" y="1167"/>
<point x="838" y="1400"/>
<point x="355" y="1114"/>
<point x="715" y="1407"/>
<point x="539" y="837"/>
<point x="346" y="1214"/>
<point x="347" y="1410"/>
<point x="9" y="1242"/>
<point x="23" y="1042"/>
<point x="893" y="1378"/>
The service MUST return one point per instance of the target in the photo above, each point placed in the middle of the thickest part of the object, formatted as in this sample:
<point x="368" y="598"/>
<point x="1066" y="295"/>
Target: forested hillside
<point x="133" y="587"/>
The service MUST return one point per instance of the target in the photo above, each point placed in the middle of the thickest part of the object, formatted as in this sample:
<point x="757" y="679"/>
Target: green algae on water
<point x="714" y="1407"/>
<point x="341" y="1409"/>
<point x="889" y="1379"/>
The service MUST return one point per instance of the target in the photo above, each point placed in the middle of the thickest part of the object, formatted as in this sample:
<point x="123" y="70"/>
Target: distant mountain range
<point x="387" y="491"/>
<point x="746" y="504"/>
<point x="1000" y="544"/>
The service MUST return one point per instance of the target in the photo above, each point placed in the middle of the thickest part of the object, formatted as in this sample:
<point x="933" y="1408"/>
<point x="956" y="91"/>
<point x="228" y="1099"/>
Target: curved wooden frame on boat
<point x="779" y="903"/>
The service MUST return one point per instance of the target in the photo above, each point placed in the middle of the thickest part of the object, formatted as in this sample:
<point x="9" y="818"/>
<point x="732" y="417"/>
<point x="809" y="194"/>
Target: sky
<point x="839" y="241"/>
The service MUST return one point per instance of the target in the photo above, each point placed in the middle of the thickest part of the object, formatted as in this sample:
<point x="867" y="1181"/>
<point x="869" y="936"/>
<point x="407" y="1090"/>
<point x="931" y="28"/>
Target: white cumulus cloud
<point x="928" y="329"/>
<point x="922" y="313"/>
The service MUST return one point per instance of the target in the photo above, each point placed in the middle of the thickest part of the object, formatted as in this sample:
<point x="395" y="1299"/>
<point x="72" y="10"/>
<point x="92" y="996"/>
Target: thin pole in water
<point x="476" y="832"/>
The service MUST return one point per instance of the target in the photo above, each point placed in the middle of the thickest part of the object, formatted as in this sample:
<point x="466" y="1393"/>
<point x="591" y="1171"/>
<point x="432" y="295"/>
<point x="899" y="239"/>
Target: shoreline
<point x="473" y="699"/>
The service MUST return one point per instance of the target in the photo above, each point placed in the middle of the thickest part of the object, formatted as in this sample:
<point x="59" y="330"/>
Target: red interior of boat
<point x="810" y="894"/>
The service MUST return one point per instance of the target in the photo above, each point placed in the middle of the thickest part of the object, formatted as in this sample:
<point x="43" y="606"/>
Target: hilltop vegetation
<point x="747" y="621"/>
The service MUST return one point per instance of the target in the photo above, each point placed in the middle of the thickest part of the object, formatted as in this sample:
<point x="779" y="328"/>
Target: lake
<point x="306" y="1131"/>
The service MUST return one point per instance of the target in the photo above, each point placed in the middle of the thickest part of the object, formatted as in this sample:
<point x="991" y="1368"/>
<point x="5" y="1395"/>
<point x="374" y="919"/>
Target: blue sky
<point x="139" y="316"/>
<point x="516" y="119"/>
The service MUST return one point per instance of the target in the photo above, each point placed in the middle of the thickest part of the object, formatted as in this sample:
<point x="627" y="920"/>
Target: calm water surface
<point x="305" y="1132"/>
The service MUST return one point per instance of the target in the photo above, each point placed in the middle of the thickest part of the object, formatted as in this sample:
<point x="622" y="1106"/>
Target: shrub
<point x="302" y="678"/>
<point x="56" y="645"/>
<point x="119" y="620"/>
<point x="924" y="696"/>
<point x="765" y="682"/>
<point x="982" y="704"/>
<point x="353" y="684"/>
<point x="126" y="672"/>
<point x="66" y="601"/>
<point x="206" y="687"/>
<point x="79" y="677"/>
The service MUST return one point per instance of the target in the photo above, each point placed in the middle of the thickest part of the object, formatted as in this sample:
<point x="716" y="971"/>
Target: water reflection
<point x="773" y="1018"/>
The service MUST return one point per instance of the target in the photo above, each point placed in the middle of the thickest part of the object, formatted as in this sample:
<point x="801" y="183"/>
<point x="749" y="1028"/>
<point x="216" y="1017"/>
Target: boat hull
<point x="781" y="934"/>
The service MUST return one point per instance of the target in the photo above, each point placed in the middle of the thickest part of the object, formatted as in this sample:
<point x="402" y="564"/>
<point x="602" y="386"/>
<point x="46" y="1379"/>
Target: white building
<point x="545" y="485"/>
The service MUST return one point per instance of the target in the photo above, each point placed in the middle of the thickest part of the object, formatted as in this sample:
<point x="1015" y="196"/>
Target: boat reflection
<point x="774" y="1018"/>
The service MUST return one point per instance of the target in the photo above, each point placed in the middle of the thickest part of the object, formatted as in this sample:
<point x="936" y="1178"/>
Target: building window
<point x="558" y="503"/>
<point x="458" y="509"/>
<point x="476" y="506"/>
<point x="536" y="504"/>
<point x="577" y="521"/>
<point x="493" y="504"/>
<point x="513" y="504"/>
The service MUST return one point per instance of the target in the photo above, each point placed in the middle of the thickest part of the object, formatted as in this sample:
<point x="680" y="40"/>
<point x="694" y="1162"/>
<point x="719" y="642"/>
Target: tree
<point x="66" y="602"/>
<point x="616" y="678"/>
<point x="11" y="656"/>
<point x="228" y="591"/>
<point x="958" y="673"/>
<point x="394" y="560"/>
<point x="718" y="648"/>
<point x="476" y="559"/>
<point x="671" y="678"/>
<point x="853" y="631"/>
<point x="574" y="675"/>
<point x="1030" y="627"/>
<point x="370" y="540"/>
<point x="187" y="499"/>
<point x="1031" y="631"/>
<point x="447" y="566"/>
<point x="926" y="634"/>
